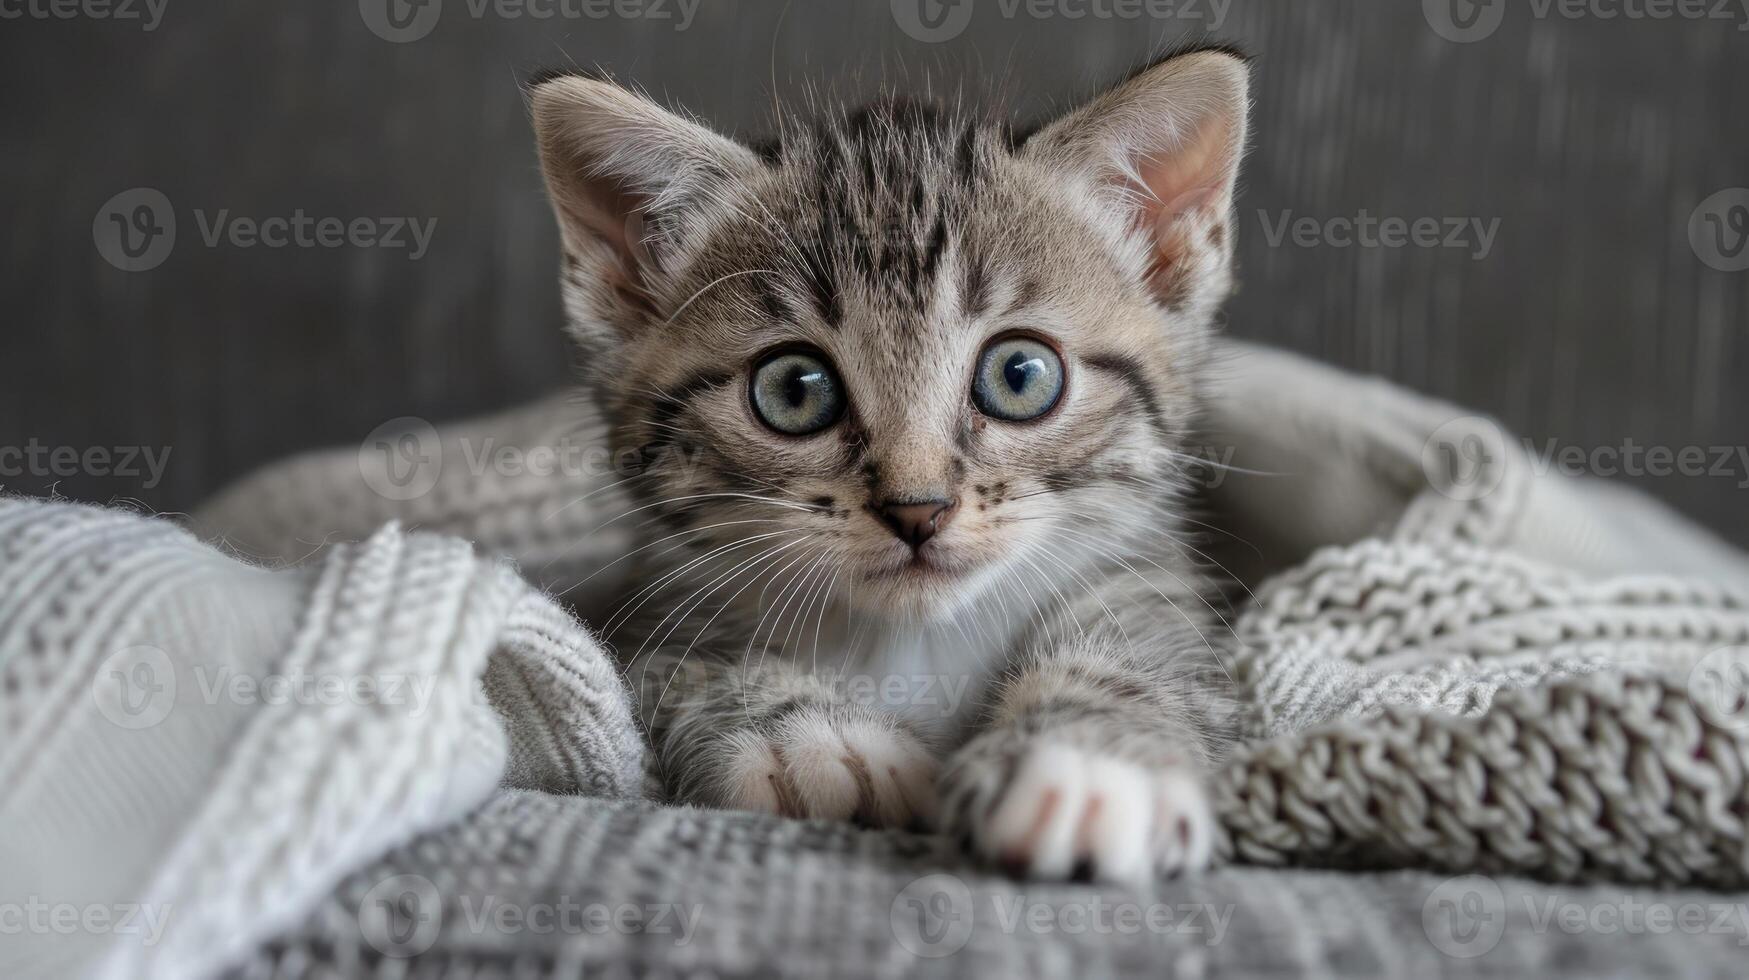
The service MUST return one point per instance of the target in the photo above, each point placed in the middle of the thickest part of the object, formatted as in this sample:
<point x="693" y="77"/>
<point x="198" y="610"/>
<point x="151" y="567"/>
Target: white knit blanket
<point x="1453" y="660"/>
<point x="194" y="749"/>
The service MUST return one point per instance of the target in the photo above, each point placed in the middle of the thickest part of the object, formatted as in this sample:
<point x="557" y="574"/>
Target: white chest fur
<point x="933" y="674"/>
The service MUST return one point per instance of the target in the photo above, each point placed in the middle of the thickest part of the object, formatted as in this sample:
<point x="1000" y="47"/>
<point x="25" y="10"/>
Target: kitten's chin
<point x="929" y="590"/>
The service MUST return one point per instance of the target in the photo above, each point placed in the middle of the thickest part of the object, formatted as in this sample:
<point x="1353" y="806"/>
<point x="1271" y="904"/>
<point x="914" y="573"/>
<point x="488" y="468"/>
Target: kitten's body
<point x="935" y="674"/>
<point x="919" y="574"/>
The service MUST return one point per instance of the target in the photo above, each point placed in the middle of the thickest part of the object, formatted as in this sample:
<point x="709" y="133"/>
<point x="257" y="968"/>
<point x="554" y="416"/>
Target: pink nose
<point x="915" y="523"/>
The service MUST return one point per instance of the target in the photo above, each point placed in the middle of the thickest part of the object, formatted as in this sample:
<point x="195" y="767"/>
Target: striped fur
<point x="1062" y="614"/>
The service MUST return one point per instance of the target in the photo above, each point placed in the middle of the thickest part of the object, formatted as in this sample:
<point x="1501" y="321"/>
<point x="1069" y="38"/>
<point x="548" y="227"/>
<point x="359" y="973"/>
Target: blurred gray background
<point x="1592" y="318"/>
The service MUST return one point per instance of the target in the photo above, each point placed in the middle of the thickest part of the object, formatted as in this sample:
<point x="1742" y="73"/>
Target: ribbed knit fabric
<point x="1443" y="705"/>
<point x="1492" y="674"/>
<point x="1495" y="681"/>
<point x="205" y="747"/>
<point x="530" y="483"/>
<point x="740" y="895"/>
<point x="1410" y="596"/>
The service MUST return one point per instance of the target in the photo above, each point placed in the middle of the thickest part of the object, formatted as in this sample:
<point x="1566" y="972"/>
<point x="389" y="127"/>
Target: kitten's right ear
<point x="1164" y="148"/>
<point x="622" y="172"/>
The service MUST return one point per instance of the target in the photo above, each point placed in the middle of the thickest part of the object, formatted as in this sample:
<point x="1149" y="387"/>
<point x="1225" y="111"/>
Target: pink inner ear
<point x="615" y="218"/>
<point x="603" y="212"/>
<point x="1189" y="183"/>
<point x="1187" y="178"/>
<point x="606" y="211"/>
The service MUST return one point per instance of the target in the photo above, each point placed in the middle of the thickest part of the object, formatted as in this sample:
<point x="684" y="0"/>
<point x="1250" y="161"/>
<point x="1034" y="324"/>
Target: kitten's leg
<point x="1092" y="763"/>
<point x="783" y="741"/>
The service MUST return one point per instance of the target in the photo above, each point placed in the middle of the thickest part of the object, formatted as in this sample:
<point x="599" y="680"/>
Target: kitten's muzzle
<point x="915" y="522"/>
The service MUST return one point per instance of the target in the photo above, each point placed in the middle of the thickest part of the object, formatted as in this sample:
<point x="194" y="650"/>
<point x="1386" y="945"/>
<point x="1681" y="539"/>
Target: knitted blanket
<point x="193" y="750"/>
<point x="1517" y="672"/>
<point x="1453" y="660"/>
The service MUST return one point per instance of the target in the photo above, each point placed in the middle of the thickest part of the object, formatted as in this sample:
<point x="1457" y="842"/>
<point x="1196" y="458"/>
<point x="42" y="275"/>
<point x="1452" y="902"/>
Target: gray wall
<point x="1591" y="320"/>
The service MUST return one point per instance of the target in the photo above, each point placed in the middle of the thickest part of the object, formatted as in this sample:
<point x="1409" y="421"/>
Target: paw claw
<point x="1070" y="813"/>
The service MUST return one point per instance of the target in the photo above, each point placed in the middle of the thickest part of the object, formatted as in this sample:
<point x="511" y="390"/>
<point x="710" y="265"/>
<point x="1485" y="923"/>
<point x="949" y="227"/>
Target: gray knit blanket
<point x="1453" y="660"/>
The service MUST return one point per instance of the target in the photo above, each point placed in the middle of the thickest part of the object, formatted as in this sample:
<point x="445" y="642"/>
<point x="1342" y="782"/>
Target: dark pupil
<point x="796" y="384"/>
<point x="1021" y="369"/>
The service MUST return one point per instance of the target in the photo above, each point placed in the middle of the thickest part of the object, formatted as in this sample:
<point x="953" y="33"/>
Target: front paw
<point x="1057" y="811"/>
<point x="832" y="763"/>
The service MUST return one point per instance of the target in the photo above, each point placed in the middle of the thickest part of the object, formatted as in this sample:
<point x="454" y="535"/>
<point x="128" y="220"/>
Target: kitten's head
<point x="924" y="351"/>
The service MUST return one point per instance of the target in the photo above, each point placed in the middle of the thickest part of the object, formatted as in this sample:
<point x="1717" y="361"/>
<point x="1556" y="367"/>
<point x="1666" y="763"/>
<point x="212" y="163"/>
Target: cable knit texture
<point x="215" y="745"/>
<point x="1440" y="704"/>
<point x="1460" y="661"/>
<point x="1453" y="661"/>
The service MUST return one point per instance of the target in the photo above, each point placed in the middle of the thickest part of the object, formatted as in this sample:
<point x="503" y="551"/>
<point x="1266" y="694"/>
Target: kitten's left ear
<point x="1163" y="150"/>
<point x="625" y="175"/>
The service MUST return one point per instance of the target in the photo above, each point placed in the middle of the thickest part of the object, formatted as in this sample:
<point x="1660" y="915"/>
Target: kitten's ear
<point x="1163" y="149"/>
<point x="622" y="172"/>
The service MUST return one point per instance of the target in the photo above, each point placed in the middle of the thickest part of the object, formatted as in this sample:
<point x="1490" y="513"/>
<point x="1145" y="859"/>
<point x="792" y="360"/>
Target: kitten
<point x="910" y="395"/>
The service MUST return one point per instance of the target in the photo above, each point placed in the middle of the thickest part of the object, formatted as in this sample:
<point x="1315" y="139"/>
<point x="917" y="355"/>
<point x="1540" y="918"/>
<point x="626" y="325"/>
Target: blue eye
<point x="1018" y="379"/>
<point x="796" y="393"/>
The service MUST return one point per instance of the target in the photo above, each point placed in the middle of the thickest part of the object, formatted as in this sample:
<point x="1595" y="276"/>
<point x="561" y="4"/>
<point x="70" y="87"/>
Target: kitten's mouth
<point x="929" y="585"/>
<point x="923" y="566"/>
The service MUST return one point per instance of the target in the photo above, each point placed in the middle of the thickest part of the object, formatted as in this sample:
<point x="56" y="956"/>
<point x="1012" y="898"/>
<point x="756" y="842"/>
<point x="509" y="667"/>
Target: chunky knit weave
<point x="1444" y="705"/>
<point x="1421" y="685"/>
<point x="775" y="898"/>
<point x="1493" y="680"/>
<point x="136" y="775"/>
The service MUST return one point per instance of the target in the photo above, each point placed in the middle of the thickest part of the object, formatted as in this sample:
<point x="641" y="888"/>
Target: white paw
<point x="831" y="765"/>
<point x="1072" y="813"/>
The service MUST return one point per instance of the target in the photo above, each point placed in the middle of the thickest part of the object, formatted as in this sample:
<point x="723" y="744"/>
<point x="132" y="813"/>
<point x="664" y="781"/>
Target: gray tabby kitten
<point x="909" y="394"/>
